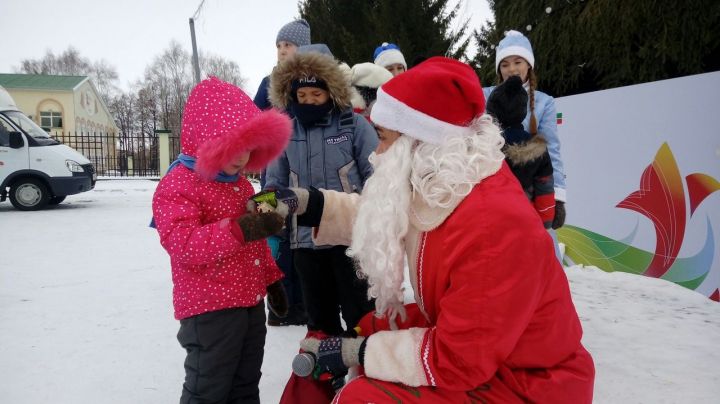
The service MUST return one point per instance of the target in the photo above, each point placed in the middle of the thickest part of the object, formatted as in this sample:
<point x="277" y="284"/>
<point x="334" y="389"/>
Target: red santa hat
<point x="438" y="98"/>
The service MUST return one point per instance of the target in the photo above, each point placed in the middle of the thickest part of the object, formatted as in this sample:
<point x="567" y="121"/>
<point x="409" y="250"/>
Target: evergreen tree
<point x="353" y="29"/>
<point x="588" y="45"/>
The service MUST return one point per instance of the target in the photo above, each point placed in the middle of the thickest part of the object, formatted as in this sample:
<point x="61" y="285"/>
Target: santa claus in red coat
<point x="493" y="320"/>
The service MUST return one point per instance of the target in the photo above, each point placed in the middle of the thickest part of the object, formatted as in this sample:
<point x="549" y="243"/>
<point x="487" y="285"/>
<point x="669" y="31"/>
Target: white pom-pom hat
<point x="514" y="44"/>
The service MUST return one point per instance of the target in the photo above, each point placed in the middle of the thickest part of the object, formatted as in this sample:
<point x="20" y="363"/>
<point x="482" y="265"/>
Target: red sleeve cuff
<point x="545" y="206"/>
<point x="236" y="231"/>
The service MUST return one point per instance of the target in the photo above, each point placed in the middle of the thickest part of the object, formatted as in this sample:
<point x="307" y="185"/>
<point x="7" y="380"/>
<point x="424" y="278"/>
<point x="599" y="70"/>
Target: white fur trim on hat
<point x="391" y="113"/>
<point x="390" y="57"/>
<point x="514" y="44"/>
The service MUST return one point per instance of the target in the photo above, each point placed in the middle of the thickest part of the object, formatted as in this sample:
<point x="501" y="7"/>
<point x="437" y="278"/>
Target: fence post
<point x="163" y="150"/>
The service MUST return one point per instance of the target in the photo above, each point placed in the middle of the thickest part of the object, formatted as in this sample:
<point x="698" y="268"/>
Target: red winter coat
<point x="496" y="301"/>
<point x="213" y="268"/>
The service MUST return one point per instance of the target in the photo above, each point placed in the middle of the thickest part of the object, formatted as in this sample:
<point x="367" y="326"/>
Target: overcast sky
<point x="128" y="34"/>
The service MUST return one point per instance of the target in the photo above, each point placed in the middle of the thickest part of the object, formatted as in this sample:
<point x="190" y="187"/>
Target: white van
<point x="36" y="170"/>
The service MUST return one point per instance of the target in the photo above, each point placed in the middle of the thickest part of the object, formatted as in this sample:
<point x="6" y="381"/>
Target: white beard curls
<point x="440" y="175"/>
<point x="378" y="237"/>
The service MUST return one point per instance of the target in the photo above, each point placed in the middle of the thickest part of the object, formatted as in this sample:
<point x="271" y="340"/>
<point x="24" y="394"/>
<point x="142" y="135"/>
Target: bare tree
<point x="123" y="108"/>
<point x="71" y="63"/>
<point x="105" y="78"/>
<point x="170" y="76"/>
<point x="226" y="70"/>
<point x="147" y="110"/>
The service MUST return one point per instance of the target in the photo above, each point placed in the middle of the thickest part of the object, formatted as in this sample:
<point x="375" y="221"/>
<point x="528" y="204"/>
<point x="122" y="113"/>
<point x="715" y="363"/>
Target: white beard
<point x="442" y="175"/>
<point x="378" y="237"/>
<point x="439" y="175"/>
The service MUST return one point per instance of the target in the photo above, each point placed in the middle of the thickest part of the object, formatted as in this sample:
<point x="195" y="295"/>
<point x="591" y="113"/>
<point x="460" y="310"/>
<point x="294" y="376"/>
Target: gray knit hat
<point x="296" y="32"/>
<point x="316" y="47"/>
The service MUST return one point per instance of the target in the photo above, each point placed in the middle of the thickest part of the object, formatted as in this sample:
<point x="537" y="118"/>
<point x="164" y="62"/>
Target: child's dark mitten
<point x="256" y="226"/>
<point x="559" y="219"/>
<point x="277" y="299"/>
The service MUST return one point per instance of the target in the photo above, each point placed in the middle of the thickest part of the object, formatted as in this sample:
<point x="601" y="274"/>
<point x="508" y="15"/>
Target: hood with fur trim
<point x="525" y="152"/>
<point x="309" y="64"/>
<point x="220" y="122"/>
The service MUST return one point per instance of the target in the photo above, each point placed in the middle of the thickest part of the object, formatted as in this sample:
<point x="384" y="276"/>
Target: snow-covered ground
<point x="86" y="315"/>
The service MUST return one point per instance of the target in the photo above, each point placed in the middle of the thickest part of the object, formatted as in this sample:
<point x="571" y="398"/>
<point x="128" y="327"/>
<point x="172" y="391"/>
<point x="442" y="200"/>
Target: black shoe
<point x="297" y="315"/>
<point x="275" y="321"/>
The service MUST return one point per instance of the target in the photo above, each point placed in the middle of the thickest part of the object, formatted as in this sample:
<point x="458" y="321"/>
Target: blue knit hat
<point x="296" y="32"/>
<point x="514" y="44"/>
<point x="388" y="54"/>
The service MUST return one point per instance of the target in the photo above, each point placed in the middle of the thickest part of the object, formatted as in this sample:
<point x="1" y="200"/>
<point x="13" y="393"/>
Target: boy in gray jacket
<point x="329" y="149"/>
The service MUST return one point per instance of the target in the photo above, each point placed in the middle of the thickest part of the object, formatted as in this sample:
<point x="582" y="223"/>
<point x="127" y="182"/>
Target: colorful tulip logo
<point x="660" y="198"/>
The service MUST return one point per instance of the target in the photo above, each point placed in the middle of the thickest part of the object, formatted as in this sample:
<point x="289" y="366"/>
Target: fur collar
<point x="523" y="153"/>
<point x="426" y="218"/>
<point x="309" y="64"/>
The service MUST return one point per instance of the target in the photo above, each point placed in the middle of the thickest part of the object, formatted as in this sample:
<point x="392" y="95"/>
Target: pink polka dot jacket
<point x="213" y="268"/>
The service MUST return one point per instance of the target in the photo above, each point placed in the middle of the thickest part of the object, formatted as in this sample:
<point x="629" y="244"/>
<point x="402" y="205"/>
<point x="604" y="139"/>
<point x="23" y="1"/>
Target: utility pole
<point x="196" y="63"/>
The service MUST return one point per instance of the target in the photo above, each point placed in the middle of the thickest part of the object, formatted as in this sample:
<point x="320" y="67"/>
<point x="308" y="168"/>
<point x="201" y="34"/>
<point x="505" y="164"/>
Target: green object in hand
<point x="265" y="196"/>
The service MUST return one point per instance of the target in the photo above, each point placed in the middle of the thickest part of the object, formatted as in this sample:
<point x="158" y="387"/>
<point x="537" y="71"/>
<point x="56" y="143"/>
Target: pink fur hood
<point x="220" y="122"/>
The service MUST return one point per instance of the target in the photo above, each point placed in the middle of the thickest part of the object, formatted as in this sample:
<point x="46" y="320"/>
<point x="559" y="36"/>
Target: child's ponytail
<point x="532" y="81"/>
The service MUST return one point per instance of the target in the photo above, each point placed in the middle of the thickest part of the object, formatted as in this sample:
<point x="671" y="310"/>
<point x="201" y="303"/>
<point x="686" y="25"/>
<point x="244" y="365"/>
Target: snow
<point x="86" y="315"/>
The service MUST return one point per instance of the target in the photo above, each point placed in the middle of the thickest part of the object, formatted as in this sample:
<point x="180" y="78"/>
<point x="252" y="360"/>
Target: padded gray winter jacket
<point x="331" y="154"/>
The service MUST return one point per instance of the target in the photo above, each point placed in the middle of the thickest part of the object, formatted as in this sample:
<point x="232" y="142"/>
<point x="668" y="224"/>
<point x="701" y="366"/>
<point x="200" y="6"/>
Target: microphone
<point x="303" y="364"/>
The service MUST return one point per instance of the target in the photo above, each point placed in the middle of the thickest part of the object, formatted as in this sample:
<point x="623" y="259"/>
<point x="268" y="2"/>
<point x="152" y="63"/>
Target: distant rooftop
<point x="40" y="81"/>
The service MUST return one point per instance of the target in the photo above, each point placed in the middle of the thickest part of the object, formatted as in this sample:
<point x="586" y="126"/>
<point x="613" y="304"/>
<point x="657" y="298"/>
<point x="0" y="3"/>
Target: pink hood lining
<point x="265" y="135"/>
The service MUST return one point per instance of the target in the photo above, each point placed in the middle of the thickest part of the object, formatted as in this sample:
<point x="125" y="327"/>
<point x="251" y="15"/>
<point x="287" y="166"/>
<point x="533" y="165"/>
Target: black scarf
<point x="308" y="114"/>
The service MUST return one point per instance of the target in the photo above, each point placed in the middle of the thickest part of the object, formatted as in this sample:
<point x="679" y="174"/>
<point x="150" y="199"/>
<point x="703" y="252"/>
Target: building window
<point x="50" y="119"/>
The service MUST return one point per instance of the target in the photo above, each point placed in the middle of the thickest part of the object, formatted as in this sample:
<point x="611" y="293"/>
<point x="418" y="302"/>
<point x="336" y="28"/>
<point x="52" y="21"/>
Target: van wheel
<point x="55" y="200"/>
<point x="29" y="194"/>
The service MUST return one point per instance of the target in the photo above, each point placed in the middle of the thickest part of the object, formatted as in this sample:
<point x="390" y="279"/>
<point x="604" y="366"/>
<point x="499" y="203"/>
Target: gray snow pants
<point x="225" y="351"/>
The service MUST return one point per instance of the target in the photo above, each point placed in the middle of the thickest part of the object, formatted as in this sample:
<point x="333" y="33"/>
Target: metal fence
<point x="120" y="156"/>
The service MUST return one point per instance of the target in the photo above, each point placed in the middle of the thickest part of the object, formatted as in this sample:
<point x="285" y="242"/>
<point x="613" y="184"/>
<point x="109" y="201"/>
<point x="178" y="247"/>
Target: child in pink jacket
<point x="221" y="264"/>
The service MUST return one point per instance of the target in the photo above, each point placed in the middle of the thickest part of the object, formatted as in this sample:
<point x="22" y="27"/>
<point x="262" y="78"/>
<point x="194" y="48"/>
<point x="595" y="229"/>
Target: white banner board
<point x="643" y="168"/>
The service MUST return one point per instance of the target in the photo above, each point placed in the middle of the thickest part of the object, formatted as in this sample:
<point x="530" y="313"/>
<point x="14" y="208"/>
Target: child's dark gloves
<point x="559" y="219"/>
<point x="256" y="226"/>
<point x="277" y="299"/>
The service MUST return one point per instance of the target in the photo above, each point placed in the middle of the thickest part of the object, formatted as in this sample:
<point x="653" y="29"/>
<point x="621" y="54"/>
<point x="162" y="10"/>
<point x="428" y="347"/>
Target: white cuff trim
<point x="395" y="356"/>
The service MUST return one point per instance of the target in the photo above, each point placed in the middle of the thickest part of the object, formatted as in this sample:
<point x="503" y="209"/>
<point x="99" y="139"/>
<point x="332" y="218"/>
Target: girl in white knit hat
<point x="514" y="57"/>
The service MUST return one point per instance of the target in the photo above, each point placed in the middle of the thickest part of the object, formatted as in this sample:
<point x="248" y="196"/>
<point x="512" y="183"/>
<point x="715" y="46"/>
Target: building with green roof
<point x="62" y="105"/>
